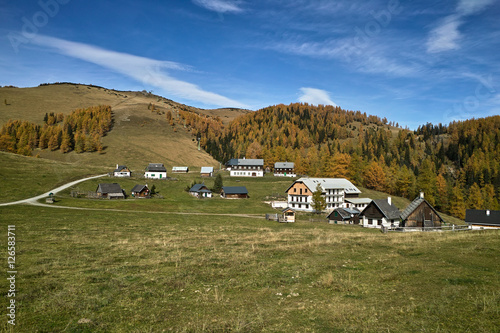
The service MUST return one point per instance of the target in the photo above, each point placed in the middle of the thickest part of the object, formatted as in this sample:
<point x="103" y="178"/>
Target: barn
<point x="420" y="214"/>
<point x="234" y="192"/>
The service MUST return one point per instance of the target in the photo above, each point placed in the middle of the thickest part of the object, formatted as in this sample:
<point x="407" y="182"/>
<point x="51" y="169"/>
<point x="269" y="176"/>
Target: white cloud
<point x="315" y="96"/>
<point x="468" y="7"/>
<point x="446" y="35"/>
<point x="148" y="71"/>
<point x="220" y="6"/>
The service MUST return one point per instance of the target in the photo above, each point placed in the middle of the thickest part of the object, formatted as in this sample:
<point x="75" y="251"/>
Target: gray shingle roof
<point x="345" y="213"/>
<point x="284" y="165"/>
<point x="139" y="188"/>
<point x="120" y="168"/>
<point x="390" y="212"/>
<point x="235" y="190"/>
<point x="245" y="161"/>
<point x="109" y="188"/>
<point x="199" y="188"/>
<point x="478" y="216"/>
<point x="207" y="169"/>
<point x="156" y="167"/>
<point x="414" y="205"/>
<point x="328" y="183"/>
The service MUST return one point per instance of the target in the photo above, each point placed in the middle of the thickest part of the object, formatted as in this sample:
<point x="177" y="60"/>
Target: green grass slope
<point x="139" y="136"/>
<point x="96" y="271"/>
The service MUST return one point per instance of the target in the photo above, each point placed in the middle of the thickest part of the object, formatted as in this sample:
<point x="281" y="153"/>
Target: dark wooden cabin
<point x="420" y="214"/>
<point x="234" y="192"/>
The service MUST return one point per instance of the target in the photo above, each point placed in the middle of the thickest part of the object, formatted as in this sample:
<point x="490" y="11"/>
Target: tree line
<point x="457" y="166"/>
<point x="80" y="131"/>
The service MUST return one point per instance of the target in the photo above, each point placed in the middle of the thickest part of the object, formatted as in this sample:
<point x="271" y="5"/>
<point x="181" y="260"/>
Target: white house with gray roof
<point x="335" y="191"/>
<point x="242" y="167"/>
<point x="284" y="169"/>
<point x="155" y="171"/>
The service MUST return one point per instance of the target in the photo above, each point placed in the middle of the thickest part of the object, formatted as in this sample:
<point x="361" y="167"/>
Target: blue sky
<point x="409" y="61"/>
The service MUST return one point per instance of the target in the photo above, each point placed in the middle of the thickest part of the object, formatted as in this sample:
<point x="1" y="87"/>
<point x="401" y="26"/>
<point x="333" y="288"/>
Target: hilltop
<point x="141" y="132"/>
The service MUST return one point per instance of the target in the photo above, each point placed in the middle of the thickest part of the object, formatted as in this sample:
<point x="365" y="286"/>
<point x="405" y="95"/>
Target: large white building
<point x="335" y="191"/>
<point x="242" y="167"/>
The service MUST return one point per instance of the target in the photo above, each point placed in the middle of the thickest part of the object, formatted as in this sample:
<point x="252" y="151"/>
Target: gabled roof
<point x="327" y="184"/>
<point x="234" y="190"/>
<point x="121" y="168"/>
<point x="345" y="213"/>
<point x="358" y="200"/>
<point x="414" y="205"/>
<point x="109" y="188"/>
<point x="244" y="161"/>
<point x="199" y="188"/>
<point x="207" y="169"/>
<point x="390" y="212"/>
<point x="180" y="168"/>
<point x="139" y="188"/>
<point x="480" y="216"/>
<point x="284" y="165"/>
<point x="156" y="167"/>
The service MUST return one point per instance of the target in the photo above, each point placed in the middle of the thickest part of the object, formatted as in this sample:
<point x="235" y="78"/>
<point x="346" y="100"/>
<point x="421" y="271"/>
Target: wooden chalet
<point x="420" y="214"/>
<point x="200" y="191"/>
<point x="234" y="192"/>
<point x="380" y="213"/>
<point x="284" y="169"/>
<point x="141" y="191"/>
<point x="110" y="191"/>
<point x="207" y="171"/>
<point x="344" y="216"/>
<point x="121" y="171"/>
<point x="482" y="219"/>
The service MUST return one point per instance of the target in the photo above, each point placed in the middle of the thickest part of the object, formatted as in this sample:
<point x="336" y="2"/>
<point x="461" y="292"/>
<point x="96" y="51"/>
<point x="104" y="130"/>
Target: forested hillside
<point x="456" y="165"/>
<point x="81" y="131"/>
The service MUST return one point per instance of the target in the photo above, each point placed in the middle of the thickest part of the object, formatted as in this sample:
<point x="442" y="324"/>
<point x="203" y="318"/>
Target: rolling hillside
<point x="141" y="132"/>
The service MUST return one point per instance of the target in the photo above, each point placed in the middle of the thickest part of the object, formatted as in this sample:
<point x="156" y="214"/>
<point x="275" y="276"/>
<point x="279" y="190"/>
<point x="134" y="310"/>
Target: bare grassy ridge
<point x="110" y="271"/>
<point x="139" y="136"/>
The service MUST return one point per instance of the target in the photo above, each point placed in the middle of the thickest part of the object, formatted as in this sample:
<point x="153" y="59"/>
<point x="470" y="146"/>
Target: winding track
<point x="34" y="201"/>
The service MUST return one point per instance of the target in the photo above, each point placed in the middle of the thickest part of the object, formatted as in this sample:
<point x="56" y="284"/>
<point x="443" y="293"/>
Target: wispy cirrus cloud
<point x="145" y="70"/>
<point x="315" y="96"/>
<point x="221" y="6"/>
<point x="369" y="57"/>
<point x="446" y="35"/>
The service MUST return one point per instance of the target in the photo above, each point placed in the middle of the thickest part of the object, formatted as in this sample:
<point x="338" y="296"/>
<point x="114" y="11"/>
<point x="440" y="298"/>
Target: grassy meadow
<point x="102" y="271"/>
<point x="183" y="264"/>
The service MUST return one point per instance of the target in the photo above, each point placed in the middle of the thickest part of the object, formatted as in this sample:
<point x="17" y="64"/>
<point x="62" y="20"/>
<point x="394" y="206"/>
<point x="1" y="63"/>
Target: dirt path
<point x="46" y="194"/>
<point x="34" y="201"/>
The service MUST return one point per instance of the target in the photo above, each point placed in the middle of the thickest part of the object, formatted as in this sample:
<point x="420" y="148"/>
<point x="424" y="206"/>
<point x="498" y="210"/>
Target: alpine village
<point x="292" y="216"/>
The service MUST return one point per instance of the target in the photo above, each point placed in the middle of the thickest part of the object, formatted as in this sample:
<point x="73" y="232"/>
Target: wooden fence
<point x="425" y="229"/>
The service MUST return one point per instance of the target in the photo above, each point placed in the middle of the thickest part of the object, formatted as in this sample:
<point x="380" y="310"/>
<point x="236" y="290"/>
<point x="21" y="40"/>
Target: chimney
<point x="421" y="195"/>
<point x="487" y="213"/>
<point x="117" y="166"/>
<point x="389" y="200"/>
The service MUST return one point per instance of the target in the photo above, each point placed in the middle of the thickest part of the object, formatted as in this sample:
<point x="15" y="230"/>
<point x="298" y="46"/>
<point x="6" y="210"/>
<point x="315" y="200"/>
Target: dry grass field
<point x="139" y="136"/>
